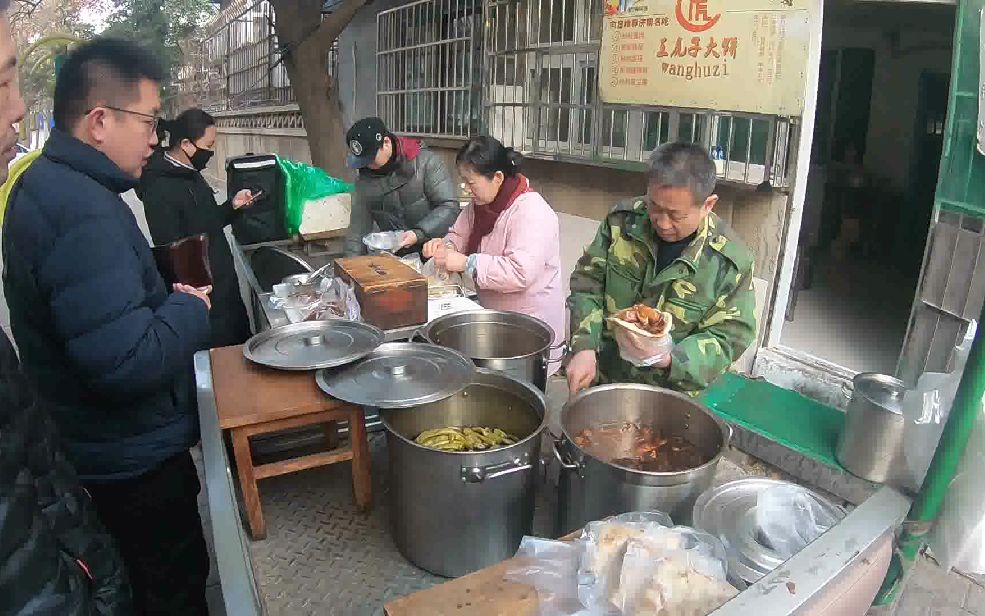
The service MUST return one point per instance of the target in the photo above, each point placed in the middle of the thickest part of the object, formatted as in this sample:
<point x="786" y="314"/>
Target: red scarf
<point x="486" y="215"/>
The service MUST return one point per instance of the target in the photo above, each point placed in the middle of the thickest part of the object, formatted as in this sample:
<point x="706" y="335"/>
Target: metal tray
<point x="312" y="345"/>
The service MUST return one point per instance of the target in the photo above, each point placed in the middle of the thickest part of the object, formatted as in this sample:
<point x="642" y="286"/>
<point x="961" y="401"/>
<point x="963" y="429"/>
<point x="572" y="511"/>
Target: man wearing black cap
<point x="401" y="187"/>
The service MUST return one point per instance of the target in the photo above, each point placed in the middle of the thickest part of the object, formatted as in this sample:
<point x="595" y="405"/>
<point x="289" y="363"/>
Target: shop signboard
<point x="732" y="55"/>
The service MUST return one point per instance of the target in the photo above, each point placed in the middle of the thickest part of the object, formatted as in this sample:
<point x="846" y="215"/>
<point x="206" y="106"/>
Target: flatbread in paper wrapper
<point x="644" y="321"/>
<point x="643" y="334"/>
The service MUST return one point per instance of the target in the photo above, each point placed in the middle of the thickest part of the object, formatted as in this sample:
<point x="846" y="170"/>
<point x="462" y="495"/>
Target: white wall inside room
<point x="923" y="39"/>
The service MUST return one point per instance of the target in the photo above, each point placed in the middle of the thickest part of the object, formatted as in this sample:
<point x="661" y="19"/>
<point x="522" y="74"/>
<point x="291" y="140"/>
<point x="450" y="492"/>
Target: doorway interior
<point x="878" y="133"/>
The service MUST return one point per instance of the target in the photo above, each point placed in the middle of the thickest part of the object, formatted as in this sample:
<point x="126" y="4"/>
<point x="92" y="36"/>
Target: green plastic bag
<point x="303" y="183"/>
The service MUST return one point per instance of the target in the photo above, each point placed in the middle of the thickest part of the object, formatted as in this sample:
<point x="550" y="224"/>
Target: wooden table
<point x="252" y="400"/>
<point x="483" y="593"/>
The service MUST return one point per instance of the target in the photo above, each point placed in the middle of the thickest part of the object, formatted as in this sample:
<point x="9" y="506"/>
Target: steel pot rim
<point x="539" y="396"/>
<point x="724" y="428"/>
<point x="543" y="351"/>
<point x="882" y="379"/>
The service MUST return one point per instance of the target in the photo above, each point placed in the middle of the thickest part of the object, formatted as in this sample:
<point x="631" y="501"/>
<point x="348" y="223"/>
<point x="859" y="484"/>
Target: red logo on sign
<point x="696" y="18"/>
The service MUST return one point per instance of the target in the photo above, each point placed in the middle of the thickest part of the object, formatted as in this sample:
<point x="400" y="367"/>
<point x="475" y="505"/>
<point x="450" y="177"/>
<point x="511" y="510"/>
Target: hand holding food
<point x="450" y="260"/>
<point x="643" y="336"/>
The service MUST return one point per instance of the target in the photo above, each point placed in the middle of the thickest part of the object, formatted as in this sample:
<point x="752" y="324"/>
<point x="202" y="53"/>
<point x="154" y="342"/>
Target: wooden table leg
<point x="248" y="483"/>
<point x="331" y="435"/>
<point x="362" y="479"/>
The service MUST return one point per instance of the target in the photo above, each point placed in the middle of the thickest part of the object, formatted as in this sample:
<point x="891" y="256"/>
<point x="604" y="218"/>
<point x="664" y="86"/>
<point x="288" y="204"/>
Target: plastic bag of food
<point x="304" y="183"/>
<point x="605" y="547"/>
<point x="789" y="517"/>
<point x="334" y="299"/>
<point x="551" y="567"/>
<point x="384" y="241"/>
<point x="643" y="334"/>
<point x="678" y="571"/>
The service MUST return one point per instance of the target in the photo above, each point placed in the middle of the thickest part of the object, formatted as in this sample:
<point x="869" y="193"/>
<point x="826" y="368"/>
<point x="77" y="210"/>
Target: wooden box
<point x="391" y="294"/>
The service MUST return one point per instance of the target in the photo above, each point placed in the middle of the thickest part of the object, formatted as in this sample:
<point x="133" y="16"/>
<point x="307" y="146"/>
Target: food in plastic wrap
<point x="661" y="575"/>
<point x="643" y="335"/>
<point x="635" y="564"/>
<point x="466" y="438"/>
<point x="334" y="299"/>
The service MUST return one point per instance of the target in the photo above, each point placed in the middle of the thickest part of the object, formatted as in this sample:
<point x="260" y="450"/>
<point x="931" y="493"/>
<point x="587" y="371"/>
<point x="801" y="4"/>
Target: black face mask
<point x="200" y="159"/>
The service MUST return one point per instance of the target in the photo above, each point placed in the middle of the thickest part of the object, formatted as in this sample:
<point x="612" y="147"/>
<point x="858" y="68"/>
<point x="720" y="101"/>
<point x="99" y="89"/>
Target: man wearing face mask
<point x="179" y="203"/>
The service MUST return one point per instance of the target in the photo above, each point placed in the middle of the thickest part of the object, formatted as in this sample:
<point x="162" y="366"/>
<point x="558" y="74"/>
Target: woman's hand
<point x="242" y="198"/>
<point x="431" y="248"/>
<point x="450" y="259"/>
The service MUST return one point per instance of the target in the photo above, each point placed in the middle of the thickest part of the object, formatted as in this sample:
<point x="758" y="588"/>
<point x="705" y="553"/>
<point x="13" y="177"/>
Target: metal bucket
<point x="592" y="489"/>
<point x="455" y="513"/>
<point x="515" y="344"/>
<point x="871" y="442"/>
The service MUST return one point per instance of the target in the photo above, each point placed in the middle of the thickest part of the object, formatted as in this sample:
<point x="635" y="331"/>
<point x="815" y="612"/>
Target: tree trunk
<point x="307" y="39"/>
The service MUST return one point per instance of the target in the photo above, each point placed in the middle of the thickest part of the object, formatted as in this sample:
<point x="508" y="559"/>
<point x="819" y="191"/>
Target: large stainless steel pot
<point x="592" y="489"/>
<point x="455" y="513"/>
<point x="871" y="442"/>
<point x="509" y="342"/>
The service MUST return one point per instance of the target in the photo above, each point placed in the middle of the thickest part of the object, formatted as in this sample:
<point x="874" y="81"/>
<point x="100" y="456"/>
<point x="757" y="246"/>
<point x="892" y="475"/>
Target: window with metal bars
<point x="428" y="67"/>
<point x="540" y="95"/>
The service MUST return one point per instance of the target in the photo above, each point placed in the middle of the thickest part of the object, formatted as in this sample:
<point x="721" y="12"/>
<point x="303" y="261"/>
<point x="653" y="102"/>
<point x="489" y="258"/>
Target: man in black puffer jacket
<point x="56" y="559"/>
<point x="106" y="345"/>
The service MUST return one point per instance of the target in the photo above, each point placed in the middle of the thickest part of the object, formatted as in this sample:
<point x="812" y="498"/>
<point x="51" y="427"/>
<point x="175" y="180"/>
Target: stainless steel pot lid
<point x="400" y="375"/>
<point x="313" y="345"/>
<point x="883" y="390"/>
<point x="729" y="513"/>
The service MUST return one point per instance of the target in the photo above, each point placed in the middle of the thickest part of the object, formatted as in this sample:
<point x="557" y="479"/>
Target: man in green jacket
<point x="401" y="187"/>
<point x="668" y="250"/>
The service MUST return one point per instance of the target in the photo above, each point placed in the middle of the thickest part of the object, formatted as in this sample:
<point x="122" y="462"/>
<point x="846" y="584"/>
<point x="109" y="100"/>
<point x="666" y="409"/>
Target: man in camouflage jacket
<point x="668" y="250"/>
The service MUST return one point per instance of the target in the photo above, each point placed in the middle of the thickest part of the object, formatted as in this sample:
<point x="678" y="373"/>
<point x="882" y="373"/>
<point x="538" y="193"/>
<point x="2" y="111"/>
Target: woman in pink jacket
<point x="507" y="239"/>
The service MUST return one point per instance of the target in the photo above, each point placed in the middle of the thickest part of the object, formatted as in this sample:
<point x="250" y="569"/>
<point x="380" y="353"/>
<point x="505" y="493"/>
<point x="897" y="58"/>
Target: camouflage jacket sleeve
<point x="587" y="298"/>
<point x="724" y="333"/>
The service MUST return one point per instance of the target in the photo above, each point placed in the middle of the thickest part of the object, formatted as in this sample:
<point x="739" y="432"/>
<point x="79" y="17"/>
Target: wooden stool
<point x="252" y="400"/>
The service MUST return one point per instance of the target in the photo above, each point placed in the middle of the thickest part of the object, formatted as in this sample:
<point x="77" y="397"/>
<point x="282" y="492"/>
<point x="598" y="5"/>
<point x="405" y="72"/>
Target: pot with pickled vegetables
<point x="462" y="474"/>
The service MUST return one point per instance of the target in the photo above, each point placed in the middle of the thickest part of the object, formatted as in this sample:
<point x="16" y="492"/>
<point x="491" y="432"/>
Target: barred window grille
<point x="541" y="97"/>
<point x="429" y="67"/>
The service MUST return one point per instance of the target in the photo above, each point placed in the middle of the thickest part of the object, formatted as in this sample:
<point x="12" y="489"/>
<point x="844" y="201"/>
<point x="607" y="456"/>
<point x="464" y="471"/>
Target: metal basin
<point x="455" y="513"/>
<point x="592" y="488"/>
<point x="515" y="344"/>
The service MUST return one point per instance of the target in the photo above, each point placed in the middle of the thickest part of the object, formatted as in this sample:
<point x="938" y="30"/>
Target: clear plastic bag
<point x="957" y="539"/>
<point x="642" y="351"/>
<point x="925" y="410"/>
<point x="789" y="517"/>
<point x="334" y="299"/>
<point x="384" y="241"/>
<point x="678" y="571"/>
<point x="605" y="547"/>
<point x="551" y="567"/>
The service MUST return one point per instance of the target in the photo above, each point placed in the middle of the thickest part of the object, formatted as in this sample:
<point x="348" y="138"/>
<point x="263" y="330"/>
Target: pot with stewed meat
<point x="630" y="447"/>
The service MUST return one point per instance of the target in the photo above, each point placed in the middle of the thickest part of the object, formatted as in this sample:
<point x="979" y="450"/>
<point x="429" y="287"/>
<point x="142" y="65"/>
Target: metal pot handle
<point x="571" y="466"/>
<point x="550" y="351"/>
<point x="418" y="336"/>
<point x="478" y="474"/>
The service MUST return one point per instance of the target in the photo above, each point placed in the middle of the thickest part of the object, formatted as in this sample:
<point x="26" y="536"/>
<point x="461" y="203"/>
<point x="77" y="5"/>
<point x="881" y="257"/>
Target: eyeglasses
<point x="153" y="118"/>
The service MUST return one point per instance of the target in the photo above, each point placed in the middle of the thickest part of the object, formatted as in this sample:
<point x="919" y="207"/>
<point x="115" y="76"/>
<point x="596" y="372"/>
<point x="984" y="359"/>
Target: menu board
<point x="731" y="55"/>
